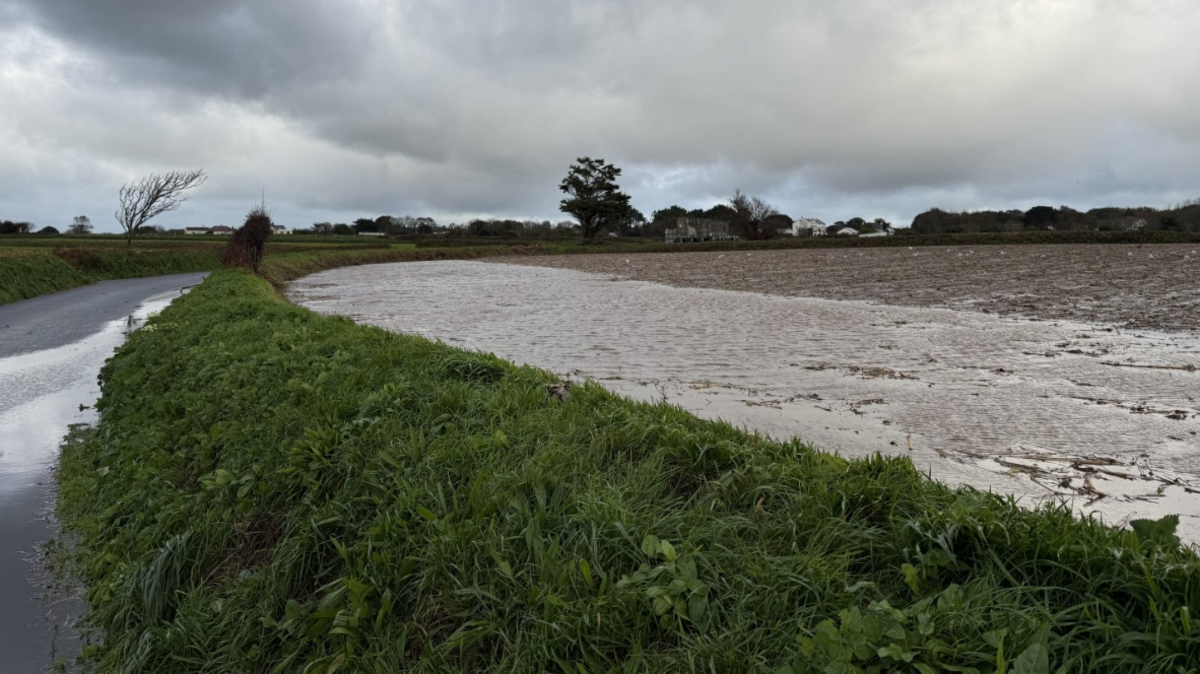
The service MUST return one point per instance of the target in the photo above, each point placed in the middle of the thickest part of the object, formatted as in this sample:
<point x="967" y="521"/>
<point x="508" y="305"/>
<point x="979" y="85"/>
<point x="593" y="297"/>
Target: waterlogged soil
<point x="1128" y="286"/>
<point x="1106" y="418"/>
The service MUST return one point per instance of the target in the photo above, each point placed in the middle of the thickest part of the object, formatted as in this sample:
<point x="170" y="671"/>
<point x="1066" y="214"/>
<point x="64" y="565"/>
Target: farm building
<point x="196" y="230"/>
<point x="222" y="230"/>
<point x="808" y="227"/>
<point x="699" y="229"/>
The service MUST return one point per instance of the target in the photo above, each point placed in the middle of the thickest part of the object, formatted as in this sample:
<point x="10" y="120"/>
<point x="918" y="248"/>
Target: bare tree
<point x="152" y="196"/>
<point x="753" y="215"/>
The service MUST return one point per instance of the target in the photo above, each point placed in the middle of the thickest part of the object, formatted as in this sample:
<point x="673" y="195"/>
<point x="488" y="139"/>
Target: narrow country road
<point x="51" y="351"/>
<point x="61" y="318"/>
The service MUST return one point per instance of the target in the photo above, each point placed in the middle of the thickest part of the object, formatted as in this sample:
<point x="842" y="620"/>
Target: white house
<point x="280" y="229"/>
<point x="195" y="230"/>
<point x="808" y="227"/>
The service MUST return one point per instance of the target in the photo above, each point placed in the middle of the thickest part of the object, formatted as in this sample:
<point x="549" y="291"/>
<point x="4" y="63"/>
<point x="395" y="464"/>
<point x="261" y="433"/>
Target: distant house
<point x="379" y="234"/>
<point x="847" y="231"/>
<point x="221" y="230"/>
<point x="280" y="229"/>
<point x="196" y="230"/>
<point x="809" y="227"/>
<point x="873" y="234"/>
<point x="698" y="229"/>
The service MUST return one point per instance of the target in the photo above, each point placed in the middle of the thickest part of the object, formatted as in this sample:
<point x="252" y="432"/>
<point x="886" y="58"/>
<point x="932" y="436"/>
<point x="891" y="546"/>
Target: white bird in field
<point x="626" y="260"/>
<point x="1151" y="256"/>
<point x="721" y="256"/>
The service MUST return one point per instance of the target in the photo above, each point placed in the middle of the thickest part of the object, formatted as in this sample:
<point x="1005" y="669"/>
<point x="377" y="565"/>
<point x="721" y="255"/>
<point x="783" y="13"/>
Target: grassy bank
<point x="26" y="274"/>
<point x="280" y="269"/>
<point x="29" y="272"/>
<point x="269" y="490"/>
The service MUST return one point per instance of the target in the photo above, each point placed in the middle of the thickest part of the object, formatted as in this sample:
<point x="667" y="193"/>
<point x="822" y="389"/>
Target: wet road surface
<point x="51" y="350"/>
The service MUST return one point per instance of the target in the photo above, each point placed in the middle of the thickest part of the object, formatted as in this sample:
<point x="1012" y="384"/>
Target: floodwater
<point x="41" y="395"/>
<point x="1107" y="418"/>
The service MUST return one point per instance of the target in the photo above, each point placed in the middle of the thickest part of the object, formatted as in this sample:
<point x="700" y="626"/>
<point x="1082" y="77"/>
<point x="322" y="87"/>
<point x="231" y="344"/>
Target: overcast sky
<point x="457" y="109"/>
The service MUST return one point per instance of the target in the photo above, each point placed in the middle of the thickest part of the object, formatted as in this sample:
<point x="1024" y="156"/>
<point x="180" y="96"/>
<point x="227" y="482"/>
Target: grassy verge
<point x="29" y="271"/>
<point x="280" y="269"/>
<point x="269" y="490"/>
<point x="28" y="274"/>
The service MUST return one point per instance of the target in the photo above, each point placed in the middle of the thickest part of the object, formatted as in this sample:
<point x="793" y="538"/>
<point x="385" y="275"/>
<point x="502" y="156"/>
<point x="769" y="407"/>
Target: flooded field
<point x="1107" y="417"/>
<point x="1149" y="286"/>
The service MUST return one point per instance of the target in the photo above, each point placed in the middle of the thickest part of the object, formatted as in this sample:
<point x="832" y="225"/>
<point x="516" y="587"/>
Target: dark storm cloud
<point x="228" y="47"/>
<point x="830" y="109"/>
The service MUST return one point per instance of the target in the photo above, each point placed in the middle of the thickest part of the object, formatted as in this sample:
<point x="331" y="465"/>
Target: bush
<point x="248" y="242"/>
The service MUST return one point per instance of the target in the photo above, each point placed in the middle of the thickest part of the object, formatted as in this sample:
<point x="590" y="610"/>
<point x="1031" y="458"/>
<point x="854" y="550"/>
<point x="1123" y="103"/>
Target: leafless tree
<point x="151" y="196"/>
<point x="753" y="215"/>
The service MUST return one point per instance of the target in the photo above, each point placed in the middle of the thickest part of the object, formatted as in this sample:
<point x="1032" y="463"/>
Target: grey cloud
<point x="398" y="105"/>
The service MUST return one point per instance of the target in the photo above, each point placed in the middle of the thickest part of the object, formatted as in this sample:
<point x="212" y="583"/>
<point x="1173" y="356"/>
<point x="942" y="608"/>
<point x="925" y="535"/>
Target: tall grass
<point x="269" y="490"/>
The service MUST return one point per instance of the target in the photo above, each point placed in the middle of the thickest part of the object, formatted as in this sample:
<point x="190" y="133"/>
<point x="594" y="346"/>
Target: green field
<point x="35" y="265"/>
<point x="270" y="490"/>
<point x="152" y="255"/>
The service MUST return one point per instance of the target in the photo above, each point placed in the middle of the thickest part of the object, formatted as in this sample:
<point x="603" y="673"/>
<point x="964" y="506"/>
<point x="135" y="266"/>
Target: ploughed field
<point x="1153" y="286"/>
<point x="1035" y="408"/>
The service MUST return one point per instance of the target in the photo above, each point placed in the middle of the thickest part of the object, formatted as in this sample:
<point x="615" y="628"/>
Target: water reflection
<point x="41" y="395"/>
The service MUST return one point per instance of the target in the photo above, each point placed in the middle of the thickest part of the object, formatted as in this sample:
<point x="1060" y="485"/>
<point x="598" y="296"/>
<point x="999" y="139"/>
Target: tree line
<point x="1183" y="217"/>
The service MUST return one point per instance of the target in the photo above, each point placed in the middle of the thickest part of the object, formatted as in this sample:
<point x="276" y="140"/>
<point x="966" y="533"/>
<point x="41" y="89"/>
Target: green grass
<point x="30" y="272"/>
<point x="26" y="274"/>
<point x="269" y="490"/>
<point x="33" y="266"/>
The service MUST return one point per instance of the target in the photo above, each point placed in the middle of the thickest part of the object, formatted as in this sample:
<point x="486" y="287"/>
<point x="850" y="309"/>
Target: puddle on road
<point x="41" y="395"/>
<point x="1107" y="418"/>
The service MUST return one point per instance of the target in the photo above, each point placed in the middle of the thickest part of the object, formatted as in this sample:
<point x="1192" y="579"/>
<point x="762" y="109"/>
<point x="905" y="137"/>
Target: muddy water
<point x="41" y="395"/>
<point x="1107" y="418"/>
